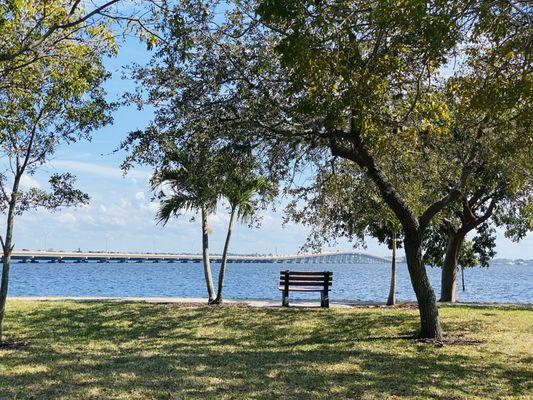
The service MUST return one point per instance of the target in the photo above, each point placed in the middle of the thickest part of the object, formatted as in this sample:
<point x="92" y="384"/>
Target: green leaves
<point x="186" y="179"/>
<point x="197" y="175"/>
<point x="33" y="30"/>
<point x="47" y="99"/>
<point x="62" y="193"/>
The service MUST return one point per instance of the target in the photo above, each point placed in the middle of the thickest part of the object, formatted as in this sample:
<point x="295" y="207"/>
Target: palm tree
<point x="188" y="188"/>
<point x="240" y="194"/>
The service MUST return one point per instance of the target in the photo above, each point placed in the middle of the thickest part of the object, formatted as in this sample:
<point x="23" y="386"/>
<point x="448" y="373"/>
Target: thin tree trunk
<point x="448" y="291"/>
<point x="205" y="256"/>
<point x="392" y="298"/>
<point x="222" y="271"/>
<point x="7" y="247"/>
<point x="427" y="302"/>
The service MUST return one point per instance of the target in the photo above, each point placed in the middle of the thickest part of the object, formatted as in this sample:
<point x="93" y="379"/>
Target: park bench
<point x="305" y="281"/>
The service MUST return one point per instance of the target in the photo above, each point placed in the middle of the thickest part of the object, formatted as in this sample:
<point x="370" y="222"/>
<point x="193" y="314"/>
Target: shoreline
<point x="256" y="303"/>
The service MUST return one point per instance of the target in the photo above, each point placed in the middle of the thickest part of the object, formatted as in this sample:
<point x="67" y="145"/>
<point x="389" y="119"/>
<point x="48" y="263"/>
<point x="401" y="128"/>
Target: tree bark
<point x="222" y="271"/>
<point x="7" y="248"/>
<point x="392" y="298"/>
<point x="469" y="221"/>
<point x="425" y="296"/>
<point x="448" y="291"/>
<point x="205" y="256"/>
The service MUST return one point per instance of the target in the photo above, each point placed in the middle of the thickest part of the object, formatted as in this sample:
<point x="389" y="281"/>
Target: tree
<point x="468" y="259"/>
<point x="447" y="245"/>
<point x="283" y="92"/>
<point x="373" y="71"/>
<point x="194" y="177"/>
<point x="55" y="102"/>
<point x="492" y="104"/>
<point x="389" y="233"/>
<point x="500" y="194"/>
<point x="33" y="30"/>
<point x="246" y="192"/>
<point x="188" y="180"/>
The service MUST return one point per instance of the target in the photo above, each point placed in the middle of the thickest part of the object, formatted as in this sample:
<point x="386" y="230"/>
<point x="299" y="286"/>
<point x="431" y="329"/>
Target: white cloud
<point x="67" y="218"/>
<point x="118" y="221"/>
<point x="154" y="207"/>
<point x="88" y="219"/>
<point x="28" y="182"/>
<point x="98" y="170"/>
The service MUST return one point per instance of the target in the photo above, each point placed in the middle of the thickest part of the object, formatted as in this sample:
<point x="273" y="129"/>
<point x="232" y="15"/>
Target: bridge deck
<point x="60" y="256"/>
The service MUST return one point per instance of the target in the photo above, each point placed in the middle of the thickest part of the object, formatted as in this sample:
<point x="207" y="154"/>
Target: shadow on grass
<point x="110" y="350"/>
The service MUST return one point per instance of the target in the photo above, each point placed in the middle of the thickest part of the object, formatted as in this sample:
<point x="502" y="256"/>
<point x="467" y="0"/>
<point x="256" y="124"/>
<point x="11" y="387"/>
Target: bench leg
<point x="285" y="299"/>
<point x="324" y="299"/>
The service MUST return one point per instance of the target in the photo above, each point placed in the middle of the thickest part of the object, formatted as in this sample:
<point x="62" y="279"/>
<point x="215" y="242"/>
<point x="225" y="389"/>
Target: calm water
<point x="499" y="283"/>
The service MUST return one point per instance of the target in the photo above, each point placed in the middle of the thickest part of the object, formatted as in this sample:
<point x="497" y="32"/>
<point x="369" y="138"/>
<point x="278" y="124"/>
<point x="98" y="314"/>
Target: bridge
<point x="27" y="256"/>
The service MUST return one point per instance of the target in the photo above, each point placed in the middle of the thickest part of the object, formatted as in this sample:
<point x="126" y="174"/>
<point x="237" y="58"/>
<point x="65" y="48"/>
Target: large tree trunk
<point x="427" y="302"/>
<point x="392" y="298"/>
<point x="6" y="262"/>
<point x="413" y="227"/>
<point x="205" y="256"/>
<point x="449" y="268"/>
<point x="222" y="271"/>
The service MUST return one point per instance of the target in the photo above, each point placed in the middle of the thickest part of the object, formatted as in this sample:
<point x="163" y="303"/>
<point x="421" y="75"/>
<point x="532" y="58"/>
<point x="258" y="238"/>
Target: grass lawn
<point x="111" y="350"/>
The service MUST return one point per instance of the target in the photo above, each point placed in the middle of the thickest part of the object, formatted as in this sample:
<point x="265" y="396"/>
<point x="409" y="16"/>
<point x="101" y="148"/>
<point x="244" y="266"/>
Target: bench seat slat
<point x="308" y="273"/>
<point x="305" y="283"/>
<point x="300" y="289"/>
<point x="307" y="278"/>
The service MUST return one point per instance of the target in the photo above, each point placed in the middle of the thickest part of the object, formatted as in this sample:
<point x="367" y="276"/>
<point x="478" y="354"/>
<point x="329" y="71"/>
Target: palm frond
<point x="171" y="206"/>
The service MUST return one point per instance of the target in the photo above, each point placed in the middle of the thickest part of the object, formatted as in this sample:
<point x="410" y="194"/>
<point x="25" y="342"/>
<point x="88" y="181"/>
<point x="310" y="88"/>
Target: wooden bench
<point x="305" y="281"/>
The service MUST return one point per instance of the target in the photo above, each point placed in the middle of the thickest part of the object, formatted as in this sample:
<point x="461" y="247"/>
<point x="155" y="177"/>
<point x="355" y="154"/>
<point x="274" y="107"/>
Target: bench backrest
<point x="305" y="278"/>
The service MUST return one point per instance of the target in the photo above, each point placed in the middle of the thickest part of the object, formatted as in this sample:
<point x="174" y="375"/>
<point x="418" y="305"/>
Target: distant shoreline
<point x="258" y="303"/>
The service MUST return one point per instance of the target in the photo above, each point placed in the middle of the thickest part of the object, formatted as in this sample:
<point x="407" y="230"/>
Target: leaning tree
<point x="371" y="76"/>
<point x="247" y="192"/>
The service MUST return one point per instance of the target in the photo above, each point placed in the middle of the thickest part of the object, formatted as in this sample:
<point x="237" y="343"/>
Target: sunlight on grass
<point x="104" y="350"/>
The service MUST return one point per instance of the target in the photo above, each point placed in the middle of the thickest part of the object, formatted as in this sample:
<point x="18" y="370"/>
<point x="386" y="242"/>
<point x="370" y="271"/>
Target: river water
<point x="354" y="282"/>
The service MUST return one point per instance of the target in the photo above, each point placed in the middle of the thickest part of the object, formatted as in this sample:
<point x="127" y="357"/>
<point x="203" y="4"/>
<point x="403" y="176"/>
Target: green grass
<point x="109" y="350"/>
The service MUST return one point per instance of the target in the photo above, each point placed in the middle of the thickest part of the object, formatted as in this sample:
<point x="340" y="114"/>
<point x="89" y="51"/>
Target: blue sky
<point x="120" y="216"/>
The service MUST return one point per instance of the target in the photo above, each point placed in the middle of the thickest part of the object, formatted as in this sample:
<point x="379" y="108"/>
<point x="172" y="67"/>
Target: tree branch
<point x="360" y="155"/>
<point x="436" y="207"/>
<point x="57" y="27"/>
